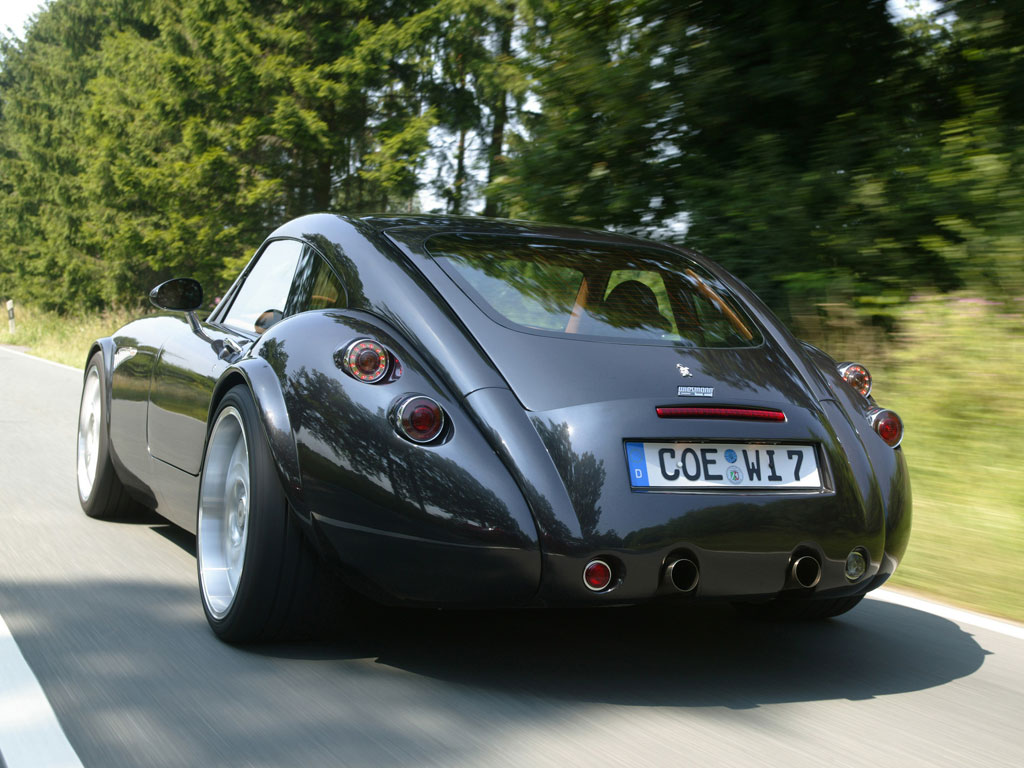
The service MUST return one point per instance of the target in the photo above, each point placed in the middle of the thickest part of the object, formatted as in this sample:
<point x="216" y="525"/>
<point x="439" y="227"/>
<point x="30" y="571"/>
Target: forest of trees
<point x="815" y="147"/>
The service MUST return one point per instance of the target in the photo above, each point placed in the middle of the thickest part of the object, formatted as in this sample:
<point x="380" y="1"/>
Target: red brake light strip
<point x="699" y="412"/>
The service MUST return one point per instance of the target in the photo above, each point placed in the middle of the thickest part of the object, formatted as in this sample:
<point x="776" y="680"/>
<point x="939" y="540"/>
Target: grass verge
<point x="63" y="339"/>
<point x="951" y="372"/>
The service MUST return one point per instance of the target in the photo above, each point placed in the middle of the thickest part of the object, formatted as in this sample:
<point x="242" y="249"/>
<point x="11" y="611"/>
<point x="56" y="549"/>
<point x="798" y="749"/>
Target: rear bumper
<point x="401" y="568"/>
<point x="749" y="556"/>
<point x="723" y="575"/>
<point x="735" y="564"/>
<point x="404" y="571"/>
<point x="743" y="544"/>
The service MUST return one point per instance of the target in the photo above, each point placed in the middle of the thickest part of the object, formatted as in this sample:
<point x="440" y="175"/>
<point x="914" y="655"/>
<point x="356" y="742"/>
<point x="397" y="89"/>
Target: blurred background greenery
<point x="859" y="168"/>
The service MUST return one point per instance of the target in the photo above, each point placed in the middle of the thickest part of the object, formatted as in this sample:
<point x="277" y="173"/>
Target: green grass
<point x="64" y="339"/>
<point x="952" y="371"/>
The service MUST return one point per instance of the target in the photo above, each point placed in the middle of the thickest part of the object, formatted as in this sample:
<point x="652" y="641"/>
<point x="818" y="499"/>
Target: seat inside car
<point x="633" y="305"/>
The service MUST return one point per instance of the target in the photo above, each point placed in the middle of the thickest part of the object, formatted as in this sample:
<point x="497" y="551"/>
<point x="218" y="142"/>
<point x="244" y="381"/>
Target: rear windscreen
<point x="594" y="290"/>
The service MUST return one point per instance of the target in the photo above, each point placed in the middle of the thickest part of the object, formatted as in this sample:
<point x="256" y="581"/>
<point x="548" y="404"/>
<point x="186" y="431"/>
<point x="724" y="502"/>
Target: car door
<point x="191" y="361"/>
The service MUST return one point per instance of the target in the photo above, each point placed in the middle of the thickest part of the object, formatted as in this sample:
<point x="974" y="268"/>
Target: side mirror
<point x="182" y="294"/>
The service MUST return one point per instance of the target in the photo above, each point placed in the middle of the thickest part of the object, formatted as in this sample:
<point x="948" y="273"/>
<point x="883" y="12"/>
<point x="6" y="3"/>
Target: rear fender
<point x="266" y="386"/>
<point x="450" y="506"/>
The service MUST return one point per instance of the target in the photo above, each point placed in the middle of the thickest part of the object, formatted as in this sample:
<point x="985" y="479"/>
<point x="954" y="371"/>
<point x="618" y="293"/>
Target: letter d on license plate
<point x="722" y="465"/>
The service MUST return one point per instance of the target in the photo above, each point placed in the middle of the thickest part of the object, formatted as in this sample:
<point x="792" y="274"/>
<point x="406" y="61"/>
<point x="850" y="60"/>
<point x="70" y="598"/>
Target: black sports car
<point x="473" y="412"/>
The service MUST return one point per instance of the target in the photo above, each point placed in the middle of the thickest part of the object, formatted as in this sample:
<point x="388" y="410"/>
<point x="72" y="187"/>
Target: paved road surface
<point x="108" y="618"/>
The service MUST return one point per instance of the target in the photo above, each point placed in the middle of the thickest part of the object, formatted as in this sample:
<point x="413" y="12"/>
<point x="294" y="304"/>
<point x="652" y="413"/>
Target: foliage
<point x="819" y="148"/>
<point x="777" y="132"/>
<point x="171" y="138"/>
<point x="474" y="76"/>
<point x="61" y="338"/>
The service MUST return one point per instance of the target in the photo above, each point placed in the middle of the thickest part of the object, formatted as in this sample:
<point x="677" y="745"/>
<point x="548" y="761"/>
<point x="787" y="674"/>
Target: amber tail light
<point x="365" y="360"/>
<point x="856" y="376"/>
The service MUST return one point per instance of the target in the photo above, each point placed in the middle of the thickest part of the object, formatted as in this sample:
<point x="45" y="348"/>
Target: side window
<point x="261" y="300"/>
<point x="316" y="286"/>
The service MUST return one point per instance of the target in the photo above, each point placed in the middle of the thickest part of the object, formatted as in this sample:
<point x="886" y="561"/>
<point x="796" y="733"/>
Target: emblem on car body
<point x="683" y="370"/>
<point x="696" y="392"/>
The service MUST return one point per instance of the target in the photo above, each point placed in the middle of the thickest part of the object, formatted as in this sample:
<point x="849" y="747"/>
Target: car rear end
<point x="671" y="438"/>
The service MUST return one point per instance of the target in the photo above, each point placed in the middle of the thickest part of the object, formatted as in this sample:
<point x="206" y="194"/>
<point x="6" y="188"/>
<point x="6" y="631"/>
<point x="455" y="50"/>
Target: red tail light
<point x="700" y="412"/>
<point x="856" y="376"/>
<point x="597" y="575"/>
<point x="887" y="424"/>
<point x="366" y="360"/>
<point x="419" y="419"/>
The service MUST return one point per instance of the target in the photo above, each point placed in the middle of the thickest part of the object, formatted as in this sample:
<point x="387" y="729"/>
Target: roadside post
<point x="10" y="315"/>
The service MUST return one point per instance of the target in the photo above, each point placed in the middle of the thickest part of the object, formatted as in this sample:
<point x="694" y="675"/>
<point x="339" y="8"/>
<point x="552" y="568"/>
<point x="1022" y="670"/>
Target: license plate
<point x="722" y="465"/>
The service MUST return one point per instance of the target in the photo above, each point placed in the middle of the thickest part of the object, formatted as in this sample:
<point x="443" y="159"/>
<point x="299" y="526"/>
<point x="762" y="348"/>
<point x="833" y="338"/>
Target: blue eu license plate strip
<point x="637" y="464"/>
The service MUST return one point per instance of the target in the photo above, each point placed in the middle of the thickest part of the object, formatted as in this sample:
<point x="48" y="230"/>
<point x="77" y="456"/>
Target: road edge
<point x="31" y="736"/>
<point x="19" y="353"/>
<point x="945" y="611"/>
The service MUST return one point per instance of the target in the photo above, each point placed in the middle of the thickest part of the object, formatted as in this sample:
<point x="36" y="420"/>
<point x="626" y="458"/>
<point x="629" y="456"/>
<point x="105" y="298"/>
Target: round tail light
<point x="597" y="575"/>
<point x="366" y="360"/>
<point x="888" y="426"/>
<point x="419" y="419"/>
<point x="856" y="376"/>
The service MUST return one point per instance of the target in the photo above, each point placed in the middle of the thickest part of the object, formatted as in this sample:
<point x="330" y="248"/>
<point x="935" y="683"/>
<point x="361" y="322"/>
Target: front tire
<point x="798" y="610"/>
<point x="100" y="491"/>
<point x="257" y="572"/>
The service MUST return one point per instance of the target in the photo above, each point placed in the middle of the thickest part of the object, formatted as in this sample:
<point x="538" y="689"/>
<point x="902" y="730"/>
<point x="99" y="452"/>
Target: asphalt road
<point x="108" y="618"/>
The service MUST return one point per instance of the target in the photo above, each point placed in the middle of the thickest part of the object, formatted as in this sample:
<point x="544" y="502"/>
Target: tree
<point x="787" y="136"/>
<point x="475" y="79"/>
<point x="976" y="179"/>
<point x="817" y="147"/>
<point x="180" y="132"/>
<point x="44" y="101"/>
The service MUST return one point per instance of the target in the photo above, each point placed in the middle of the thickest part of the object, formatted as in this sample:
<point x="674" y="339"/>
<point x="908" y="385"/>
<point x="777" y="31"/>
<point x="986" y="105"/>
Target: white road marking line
<point x="41" y="359"/>
<point x="941" y="610"/>
<point x="30" y="735"/>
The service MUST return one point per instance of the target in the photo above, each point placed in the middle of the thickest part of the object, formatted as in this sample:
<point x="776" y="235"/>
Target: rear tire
<point x="258" y="575"/>
<point x="798" y="610"/>
<point x="100" y="491"/>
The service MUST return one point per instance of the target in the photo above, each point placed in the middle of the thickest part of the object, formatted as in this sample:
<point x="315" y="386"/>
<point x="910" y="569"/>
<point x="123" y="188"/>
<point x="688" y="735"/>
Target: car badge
<point x="695" y="391"/>
<point x="683" y="370"/>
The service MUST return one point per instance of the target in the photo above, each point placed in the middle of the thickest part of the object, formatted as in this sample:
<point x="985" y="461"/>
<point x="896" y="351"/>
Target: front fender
<point x="104" y="346"/>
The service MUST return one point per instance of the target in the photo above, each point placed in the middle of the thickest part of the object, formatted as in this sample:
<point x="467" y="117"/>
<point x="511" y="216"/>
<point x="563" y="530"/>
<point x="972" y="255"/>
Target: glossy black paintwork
<point x="359" y="477"/>
<point x="530" y="482"/>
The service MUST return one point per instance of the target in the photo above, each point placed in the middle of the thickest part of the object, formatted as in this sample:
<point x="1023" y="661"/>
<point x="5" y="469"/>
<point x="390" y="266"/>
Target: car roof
<point x="430" y="224"/>
<point x="417" y="228"/>
<point x="333" y="234"/>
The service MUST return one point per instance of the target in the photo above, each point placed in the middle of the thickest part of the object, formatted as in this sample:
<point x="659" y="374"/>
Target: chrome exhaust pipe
<point x="806" y="571"/>
<point x="682" y="574"/>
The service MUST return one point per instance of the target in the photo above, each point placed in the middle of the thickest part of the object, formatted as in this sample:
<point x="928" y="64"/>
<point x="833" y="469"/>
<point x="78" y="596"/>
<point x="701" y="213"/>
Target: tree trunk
<point x="322" y="186"/>
<point x="499" y="112"/>
<point x="459" y="185"/>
